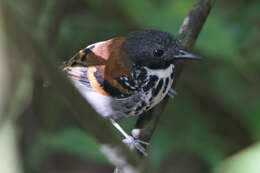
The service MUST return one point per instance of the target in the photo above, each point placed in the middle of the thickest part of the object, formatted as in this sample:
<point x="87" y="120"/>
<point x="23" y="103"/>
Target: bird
<point x="128" y="75"/>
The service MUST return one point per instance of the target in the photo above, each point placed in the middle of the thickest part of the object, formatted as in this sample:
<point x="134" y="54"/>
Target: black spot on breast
<point x="143" y="104"/>
<point x="166" y="85"/>
<point x="158" y="88"/>
<point x="142" y="75"/>
<point x="148" y="107"/>
<point x="151" y="83"/>
<point x="138" y="108"/>
<point x="173" y="71"/>
<point x="172" y="75"/>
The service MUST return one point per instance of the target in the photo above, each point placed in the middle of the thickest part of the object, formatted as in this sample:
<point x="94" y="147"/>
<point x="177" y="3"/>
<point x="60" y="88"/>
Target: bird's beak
<point x="186" y="55"/>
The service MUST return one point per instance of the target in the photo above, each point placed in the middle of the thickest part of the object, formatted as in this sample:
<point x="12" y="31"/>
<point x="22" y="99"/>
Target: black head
<point x="154" y="49"/>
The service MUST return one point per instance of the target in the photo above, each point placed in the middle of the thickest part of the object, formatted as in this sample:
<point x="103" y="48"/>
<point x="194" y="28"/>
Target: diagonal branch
<point x="189" y="31"/>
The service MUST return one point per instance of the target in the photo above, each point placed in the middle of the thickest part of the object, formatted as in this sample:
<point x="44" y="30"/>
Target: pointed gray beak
<point x="186" y="55"/>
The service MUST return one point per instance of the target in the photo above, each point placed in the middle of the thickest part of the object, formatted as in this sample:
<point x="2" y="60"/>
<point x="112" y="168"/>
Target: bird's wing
<point x="104" y="67"/>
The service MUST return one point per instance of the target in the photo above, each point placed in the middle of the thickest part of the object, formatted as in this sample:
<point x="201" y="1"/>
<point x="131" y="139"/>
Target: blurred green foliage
<point x="216" y="112"/>
<point x="70" y="140"/>
<point x="246" y="161"/>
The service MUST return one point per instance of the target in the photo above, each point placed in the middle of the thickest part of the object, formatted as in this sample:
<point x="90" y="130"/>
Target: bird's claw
<point x="172" y="93"/>
<point x="136" y="143"/>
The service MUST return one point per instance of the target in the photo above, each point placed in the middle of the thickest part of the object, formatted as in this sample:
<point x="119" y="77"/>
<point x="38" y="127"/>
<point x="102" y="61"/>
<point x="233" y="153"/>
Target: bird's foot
<point x="172" y="93"/>
<point x="136" y="143"/>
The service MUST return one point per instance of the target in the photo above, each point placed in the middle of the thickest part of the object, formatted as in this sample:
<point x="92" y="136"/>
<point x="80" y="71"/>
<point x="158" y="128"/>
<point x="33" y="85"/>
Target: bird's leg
<point x="172" y="93"/>
<point x="130" y="140"/>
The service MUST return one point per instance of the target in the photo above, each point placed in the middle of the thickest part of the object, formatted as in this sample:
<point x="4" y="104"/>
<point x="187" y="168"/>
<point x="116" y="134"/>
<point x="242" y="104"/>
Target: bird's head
<point x="154" y="49"/>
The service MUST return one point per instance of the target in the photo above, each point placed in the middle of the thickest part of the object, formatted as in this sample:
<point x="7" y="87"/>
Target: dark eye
<point x="158" y="52"/>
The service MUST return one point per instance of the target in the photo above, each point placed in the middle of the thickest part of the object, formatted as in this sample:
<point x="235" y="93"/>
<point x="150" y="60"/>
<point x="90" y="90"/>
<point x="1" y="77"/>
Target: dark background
<point x="215" y="114"/>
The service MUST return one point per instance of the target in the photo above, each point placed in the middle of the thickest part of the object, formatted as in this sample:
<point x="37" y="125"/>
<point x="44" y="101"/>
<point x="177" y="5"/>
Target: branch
<point x="189" y="31"/>
<point x="194" y="22"/>
<point x="90" y="121"/>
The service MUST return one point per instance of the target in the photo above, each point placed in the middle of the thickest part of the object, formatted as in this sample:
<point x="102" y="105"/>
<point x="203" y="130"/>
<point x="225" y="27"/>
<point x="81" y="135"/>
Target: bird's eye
<point x="158" y="52"/>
